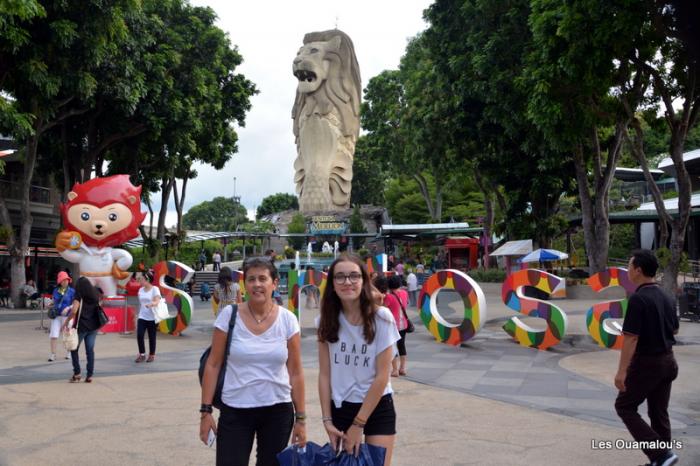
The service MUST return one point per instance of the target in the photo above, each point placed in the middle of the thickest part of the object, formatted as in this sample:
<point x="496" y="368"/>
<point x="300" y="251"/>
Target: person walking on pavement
<point x="202" y="260"/>
<point x="647" y="365"/>
<point x="62" y="302"/>
<point x="149" y="298"/>
<point x="216" y="259"/>
<point x="412" y="285"/>
<point x="85" y="302"/>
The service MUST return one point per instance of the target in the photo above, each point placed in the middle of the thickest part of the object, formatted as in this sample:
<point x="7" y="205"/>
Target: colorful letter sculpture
<point x="237" y="278"/>
<point x="608" y="333"/>
<point x="474" y="306"/>
<point x="100" y="214"/>
<point x="297" y="281"/>
<point x="512" y="296"/>
<point x="378" y="263"/>
<point x="181" y="300"/>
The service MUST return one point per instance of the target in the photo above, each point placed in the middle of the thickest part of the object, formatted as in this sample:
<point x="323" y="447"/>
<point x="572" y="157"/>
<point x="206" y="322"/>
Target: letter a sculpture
<point x="326" y="117"/>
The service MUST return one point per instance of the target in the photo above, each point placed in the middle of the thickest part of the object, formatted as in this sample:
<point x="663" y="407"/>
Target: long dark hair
<point x="331" y="306"/>
<point x="86" y="291"/>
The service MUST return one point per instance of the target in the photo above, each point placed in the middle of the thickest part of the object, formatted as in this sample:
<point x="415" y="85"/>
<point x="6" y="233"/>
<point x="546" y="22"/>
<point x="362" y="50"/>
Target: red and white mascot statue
<point x="100" y="214"/>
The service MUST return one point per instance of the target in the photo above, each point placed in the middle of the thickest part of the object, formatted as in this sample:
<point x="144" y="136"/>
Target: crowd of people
<point x="361" y="333"/>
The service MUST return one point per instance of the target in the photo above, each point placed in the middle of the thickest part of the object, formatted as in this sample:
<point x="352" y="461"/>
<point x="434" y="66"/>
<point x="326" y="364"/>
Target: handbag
<point x="52" y="313"/>
<point x="161" y="312"/>
<point x="102" y="316"/>
<point x="313" y="455"/>
<point x="410" y="328"/>
<point x="70" y="336"/>
<point x="216" y="401"/>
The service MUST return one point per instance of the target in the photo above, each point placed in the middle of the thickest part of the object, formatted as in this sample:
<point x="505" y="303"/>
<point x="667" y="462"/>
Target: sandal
<point x="402" y="372"/>
<point x="394" y="374"/>
<point x="75" y="378"/>
<point x="88" y="379"/>
<point x="141" y="358"/>
<point x="151" y="358"/>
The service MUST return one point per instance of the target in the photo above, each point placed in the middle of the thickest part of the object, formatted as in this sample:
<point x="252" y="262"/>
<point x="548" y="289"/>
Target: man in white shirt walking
<point x="412" y="282"/>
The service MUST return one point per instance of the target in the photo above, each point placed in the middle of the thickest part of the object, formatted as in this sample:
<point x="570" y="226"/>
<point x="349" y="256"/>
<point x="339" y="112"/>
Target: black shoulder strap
<point x="399" y="300"/>
<point x="231" y="324"/>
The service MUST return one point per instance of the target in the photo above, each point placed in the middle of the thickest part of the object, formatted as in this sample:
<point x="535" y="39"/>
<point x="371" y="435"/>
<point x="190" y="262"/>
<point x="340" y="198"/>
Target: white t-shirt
<point x="354" y="362"/>
<point x="146" y="297"/>
<point x="412" y="282"/>
<point x="256" y="370"/>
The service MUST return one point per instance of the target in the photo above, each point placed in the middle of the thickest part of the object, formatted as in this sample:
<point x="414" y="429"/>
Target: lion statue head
<point x="327" y="70"/>
<point x="327" y="99"/>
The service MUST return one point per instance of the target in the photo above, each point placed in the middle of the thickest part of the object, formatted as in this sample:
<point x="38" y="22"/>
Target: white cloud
<point x="268" y="34"/>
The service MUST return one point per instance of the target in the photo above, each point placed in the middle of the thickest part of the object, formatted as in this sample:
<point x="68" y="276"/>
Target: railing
<point x="10" y="190"/>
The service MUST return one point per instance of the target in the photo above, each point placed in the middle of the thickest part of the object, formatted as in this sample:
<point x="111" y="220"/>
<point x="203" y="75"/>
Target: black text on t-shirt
<point x="350" y="356"/>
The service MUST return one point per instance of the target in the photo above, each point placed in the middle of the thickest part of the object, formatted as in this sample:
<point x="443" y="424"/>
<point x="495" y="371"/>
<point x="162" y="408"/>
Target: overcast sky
<point x="268" y="34"/>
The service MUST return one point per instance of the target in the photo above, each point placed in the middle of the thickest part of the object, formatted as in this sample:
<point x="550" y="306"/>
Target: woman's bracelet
<point x="357" y="424"/>
<point x="205" y="408"/>
<point x="325" y="419"/>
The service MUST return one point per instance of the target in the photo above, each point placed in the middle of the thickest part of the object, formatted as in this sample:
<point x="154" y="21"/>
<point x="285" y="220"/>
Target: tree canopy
<point x="276" y="203"/>
<point x="219" y="214"/>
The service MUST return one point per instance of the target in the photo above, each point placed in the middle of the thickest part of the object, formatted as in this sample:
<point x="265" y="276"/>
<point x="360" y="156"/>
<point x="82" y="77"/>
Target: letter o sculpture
<point x="474" y="307"/>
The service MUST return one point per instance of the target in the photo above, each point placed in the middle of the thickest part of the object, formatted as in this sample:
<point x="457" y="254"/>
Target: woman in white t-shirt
<point x="263" y="392"/>
<point x="356" y="346"/>
<point x="149" y="297"/>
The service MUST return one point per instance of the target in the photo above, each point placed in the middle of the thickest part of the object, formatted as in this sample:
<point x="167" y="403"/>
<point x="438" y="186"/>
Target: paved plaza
<point x="489" y="401"/>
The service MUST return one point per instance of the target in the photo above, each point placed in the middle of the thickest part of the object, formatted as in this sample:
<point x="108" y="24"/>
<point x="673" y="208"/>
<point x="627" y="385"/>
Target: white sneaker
<point x="52" y="358"/>
<point x="67" y="357"/>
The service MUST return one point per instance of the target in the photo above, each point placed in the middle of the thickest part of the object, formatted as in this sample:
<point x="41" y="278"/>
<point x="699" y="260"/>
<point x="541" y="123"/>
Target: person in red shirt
<point x="394" y="303"/>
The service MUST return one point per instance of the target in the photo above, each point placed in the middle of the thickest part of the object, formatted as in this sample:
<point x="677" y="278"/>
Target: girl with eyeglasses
<point x="356" y="346"/>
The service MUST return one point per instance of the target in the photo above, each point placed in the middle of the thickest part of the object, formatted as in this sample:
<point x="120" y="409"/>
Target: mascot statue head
<point x="326" y="119"/>
<point x="105" y="211"/>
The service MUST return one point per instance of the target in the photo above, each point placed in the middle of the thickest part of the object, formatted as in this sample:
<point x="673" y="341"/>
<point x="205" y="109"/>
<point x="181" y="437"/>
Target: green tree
<point x="573" y="64"/>
<point x="297" y="225"/>
<point x="49" y="58"/>
<point x="370" y="172"/>
<point x="219" y="214"/>
<point x="478" y="49"/>
<point x="356" y="226"/>
<point x="672" y="59"/>
<point x="277" y="203"/>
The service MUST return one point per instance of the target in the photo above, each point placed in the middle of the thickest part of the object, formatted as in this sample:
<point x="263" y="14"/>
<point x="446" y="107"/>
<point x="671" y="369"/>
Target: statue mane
<point x="340" y="91"/>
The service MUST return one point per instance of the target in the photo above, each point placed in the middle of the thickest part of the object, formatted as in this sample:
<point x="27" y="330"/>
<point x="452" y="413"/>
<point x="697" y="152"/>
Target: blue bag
<point x="294" y="455"/>
<point x="369" y="455"/>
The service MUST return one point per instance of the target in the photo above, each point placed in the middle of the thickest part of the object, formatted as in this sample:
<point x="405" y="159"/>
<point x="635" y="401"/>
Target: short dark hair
<point x="381" y="283"/>
<point x="645" y="260"/>
<point x="394" y="282"/>
<point x="260" y="262"/>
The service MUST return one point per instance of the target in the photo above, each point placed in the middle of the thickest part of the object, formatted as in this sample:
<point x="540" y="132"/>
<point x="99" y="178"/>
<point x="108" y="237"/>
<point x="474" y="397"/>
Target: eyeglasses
<point x="340" y="278"/>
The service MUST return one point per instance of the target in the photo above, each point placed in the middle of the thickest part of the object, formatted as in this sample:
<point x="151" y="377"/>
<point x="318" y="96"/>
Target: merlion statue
<point x="326" y="117"/>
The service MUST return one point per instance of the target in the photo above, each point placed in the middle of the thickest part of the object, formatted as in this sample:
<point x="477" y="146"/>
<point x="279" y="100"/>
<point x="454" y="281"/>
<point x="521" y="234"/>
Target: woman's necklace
<point x="260" y="321"/>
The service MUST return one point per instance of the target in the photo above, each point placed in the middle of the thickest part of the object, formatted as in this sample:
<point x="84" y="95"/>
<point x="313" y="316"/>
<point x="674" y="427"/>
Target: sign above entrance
<point x="327" y="225"/>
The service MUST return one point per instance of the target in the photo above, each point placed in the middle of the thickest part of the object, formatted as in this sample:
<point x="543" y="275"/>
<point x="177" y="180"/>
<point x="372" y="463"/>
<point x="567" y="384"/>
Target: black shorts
<point x="382" y="421"/>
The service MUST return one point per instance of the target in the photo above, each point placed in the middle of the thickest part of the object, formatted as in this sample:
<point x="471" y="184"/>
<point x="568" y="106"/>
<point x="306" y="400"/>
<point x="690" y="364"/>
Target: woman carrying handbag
<point x="149" y="300"/>
<point x="356" y="343"/>
<point x="262" y="395"/>
<point x="84" y="317"/>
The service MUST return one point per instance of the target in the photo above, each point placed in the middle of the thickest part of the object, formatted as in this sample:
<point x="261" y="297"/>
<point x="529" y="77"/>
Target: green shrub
<point x="488" y="276"/>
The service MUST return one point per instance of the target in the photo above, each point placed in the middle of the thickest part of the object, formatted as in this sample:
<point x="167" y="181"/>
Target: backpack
<point x="216" y="401"/>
